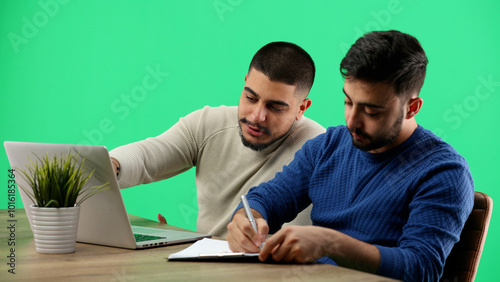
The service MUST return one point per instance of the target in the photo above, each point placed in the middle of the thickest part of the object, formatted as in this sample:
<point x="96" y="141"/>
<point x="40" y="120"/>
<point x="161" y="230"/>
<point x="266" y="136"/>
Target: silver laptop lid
<point x="100" y="214"/>
<point x="103" y="218"/>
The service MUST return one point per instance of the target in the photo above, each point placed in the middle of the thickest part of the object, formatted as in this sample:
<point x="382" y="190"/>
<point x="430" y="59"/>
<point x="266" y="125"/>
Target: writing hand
<point x="242" y="237"/>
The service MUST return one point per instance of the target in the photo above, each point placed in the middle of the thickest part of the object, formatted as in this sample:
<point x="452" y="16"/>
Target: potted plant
<point x="58" y="187"/>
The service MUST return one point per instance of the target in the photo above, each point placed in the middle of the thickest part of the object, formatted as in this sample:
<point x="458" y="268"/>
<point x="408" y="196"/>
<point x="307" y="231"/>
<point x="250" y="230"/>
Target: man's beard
<point x="258" y="146"/>
<point x="381" y="140"/>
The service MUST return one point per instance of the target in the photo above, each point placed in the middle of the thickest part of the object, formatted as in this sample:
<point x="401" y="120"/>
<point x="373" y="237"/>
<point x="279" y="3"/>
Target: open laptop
<point x="103" y="218"/>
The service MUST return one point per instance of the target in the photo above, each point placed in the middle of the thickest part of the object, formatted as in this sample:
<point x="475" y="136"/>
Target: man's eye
<point x="371" y="114"/>
<point x="346" y="103"/>
<point x="251" y="99"/>
<point x="276" y="109"/>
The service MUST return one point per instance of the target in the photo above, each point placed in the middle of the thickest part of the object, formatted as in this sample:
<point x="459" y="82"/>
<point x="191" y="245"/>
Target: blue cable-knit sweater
<point x="411" y="202"/>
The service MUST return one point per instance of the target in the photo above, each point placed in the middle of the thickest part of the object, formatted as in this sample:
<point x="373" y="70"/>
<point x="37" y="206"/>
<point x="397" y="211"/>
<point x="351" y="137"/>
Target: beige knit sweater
<point x="209" y="140"/>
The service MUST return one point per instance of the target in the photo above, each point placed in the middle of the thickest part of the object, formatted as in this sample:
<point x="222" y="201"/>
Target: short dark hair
<point x="387" y="56"/>
<point x="285" y="62"/>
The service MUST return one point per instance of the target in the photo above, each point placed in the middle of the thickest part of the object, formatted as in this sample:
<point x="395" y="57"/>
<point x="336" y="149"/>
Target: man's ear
<point x="306" y="103"/>
<point x="414" y="106"/>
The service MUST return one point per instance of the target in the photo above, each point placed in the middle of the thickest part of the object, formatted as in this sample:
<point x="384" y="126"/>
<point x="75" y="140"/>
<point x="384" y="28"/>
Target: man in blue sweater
<point x="389" y="197"/>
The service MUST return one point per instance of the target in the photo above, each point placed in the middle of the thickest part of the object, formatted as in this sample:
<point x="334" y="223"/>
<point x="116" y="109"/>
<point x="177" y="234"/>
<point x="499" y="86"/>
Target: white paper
<point x="207" y="248"/>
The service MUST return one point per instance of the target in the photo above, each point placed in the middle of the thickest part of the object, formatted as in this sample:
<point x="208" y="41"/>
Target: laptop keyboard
<point x="143" y="237"/>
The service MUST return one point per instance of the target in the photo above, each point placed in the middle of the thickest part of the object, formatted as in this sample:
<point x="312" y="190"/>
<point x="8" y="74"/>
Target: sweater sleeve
<point x="161" y="157"/>
<point x="438" y="210"/>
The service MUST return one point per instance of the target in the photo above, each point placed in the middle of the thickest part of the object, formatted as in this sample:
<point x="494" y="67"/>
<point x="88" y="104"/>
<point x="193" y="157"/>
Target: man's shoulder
<point x="304" y="130"/>
<point x="337" y="130"/>
<point x="328" y="139"/>
<point x="337" y="134"/>
<point x="308" y="125"/>
<point x="436" y="159"/>
<point x="209" y="122"/>
<point x="217" y="112"/>
<point x="435" y="152"/>
<point x="430" y="142"/>
<point x="221" y="116"/>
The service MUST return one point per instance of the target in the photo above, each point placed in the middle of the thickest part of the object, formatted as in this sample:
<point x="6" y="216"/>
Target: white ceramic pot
<point x="54" y="229"/>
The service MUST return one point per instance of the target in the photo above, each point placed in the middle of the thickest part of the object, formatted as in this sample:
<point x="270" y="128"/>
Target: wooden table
<point x="100" y="263"/>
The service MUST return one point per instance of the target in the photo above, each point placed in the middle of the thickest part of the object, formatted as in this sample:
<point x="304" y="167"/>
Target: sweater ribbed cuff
<point x="391" y="265"/>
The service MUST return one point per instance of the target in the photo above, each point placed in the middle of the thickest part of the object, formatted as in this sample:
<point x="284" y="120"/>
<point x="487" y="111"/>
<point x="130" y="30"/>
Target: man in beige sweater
<point x="233" y="148"/>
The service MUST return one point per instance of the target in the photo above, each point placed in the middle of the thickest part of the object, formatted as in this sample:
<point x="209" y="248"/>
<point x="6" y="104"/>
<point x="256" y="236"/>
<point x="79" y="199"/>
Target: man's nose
<point x="259" y="113"/>
<point x="354" y="119"/>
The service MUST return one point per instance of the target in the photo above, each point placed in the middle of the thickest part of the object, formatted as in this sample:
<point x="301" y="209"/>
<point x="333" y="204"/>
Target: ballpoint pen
<point x="250" y="217"/>
<point x="249" y="214"/>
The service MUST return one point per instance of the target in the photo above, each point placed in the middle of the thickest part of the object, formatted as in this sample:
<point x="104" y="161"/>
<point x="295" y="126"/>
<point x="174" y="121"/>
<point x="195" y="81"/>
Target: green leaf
<point x="59" y="182"/>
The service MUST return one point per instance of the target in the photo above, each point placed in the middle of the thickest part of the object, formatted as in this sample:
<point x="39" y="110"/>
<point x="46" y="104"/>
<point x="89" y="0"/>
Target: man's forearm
<point x="352" y="253"/>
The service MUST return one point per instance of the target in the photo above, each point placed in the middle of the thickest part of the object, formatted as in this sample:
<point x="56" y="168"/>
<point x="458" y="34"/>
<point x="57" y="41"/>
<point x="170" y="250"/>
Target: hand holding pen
<point x="247" y="231"/>
<point x="250" y="217"/>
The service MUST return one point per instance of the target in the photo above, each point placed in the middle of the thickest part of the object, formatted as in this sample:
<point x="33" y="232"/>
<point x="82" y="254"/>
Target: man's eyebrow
<point x="370" y="105"/>
<point x="251" y="91"/>
<point x="277" y="102"/>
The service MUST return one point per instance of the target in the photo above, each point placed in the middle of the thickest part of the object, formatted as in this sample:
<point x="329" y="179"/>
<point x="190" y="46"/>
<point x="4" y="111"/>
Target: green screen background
<point x="73" y="72"/>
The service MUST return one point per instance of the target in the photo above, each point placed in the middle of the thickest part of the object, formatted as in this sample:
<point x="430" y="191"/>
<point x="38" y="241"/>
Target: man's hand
<point x="242" y="237"/>
<point x="162" y="219"/>
<point x="116" y="166"/>
<point x="308" y="243"/>
<point x="296" y="244"/>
